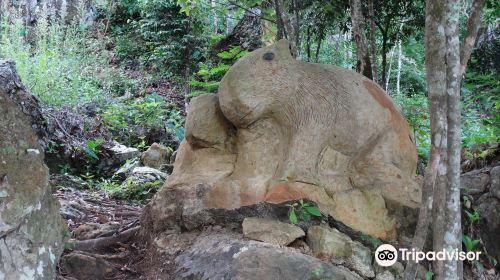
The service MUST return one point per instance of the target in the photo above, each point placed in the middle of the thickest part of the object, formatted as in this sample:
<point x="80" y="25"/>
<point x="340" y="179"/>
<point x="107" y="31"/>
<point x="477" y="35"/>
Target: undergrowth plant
<point x="58" y="62"/>
<point x="303" y="210"/>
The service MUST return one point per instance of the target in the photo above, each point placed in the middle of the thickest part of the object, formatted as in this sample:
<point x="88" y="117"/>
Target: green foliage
<point x="159" y="35"/>
<point x="469" y="243"/>
<point x="208" y="77"/>
<point x="62" y="63"/>
<point x="130" y="189"/>
<point x="375" y="242"/>
<point x="150" y="111"/>
<point x="428" y="275"/>
<point x="91" y="149"/>
<point x="473" y="216"/>
<point x="304" y="209"/>
<point x="480" y="109"/>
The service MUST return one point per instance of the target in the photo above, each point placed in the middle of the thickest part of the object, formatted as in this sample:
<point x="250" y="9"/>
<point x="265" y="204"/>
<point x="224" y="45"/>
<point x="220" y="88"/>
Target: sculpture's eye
<point x="268" y="56"/>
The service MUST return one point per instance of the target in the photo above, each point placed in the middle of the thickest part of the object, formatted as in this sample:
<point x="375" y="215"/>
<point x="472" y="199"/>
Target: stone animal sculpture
<point x="279" y="130"/>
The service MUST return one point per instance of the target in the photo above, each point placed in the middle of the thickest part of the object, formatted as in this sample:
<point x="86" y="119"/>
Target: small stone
<point x="385" y="275"/>
<point x="271" y="231"/>
<point x="155" y="156"/>
<point x="86" y="267"/>
<point x="122" y="153"/>
<point x="328" y="242"/>
<point x="126" y="169"/>
<point x="33" y="151"/>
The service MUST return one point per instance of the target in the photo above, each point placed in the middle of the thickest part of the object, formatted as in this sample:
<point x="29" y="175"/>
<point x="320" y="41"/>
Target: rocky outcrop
<point x="482" y="186"/>
<point x="282" y="130"/>
<point x="31" y="229"/>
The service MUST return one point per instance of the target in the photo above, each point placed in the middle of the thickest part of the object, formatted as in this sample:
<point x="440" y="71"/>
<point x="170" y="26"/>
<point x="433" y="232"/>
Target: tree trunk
<point x="358" y="35"/>
<point x="384" y="57"/>
<point x="308" y="44"/>
<point x="443" y="82"/>
<point x="318" y="47"/>
<point x="453" y="226"/>
<point x="229" y="19"/>
<point x="296" y="25"/>
<point x="215" y="16"/>
<point x="281" y="33"/>
<point x="398" y="77"/>
<point x="373" y="45"/>
<point x="473" y="24"/>
<point x="386" y="83"/>
<point x="285" y="29"/>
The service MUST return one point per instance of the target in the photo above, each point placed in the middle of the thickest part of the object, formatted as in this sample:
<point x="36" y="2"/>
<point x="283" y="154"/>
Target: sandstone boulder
<point x="31" y="229"/>
<point x="271" y="231"/>
<point x="281" y="130"/>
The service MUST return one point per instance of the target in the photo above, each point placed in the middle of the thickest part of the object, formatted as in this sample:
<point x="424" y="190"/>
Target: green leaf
<point x="428" y="275"/>
<point x="313" y="211"/>
<point x="292" y="216"/>
<point x="91" y="153"/>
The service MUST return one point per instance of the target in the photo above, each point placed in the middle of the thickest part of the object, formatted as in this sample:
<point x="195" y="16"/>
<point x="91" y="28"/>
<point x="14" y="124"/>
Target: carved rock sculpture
<point x="279" y="130"/>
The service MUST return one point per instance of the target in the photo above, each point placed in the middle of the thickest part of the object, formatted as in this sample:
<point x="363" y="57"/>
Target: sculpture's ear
<point x="283" y="49"/>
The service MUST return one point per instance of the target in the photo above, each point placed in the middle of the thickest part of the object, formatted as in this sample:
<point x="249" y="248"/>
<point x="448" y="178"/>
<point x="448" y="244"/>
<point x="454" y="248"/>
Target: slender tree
<point x="441" y="190"/>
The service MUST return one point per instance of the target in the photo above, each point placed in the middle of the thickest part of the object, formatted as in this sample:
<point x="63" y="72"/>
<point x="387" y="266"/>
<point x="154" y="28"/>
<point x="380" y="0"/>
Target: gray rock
<point x="143" y="182"/>
<point x="361" y="260"/>
<point x="495" y="181"/>
<point x="490" y="225"/>
<point x="385" y="275"/>
<point x="126" y="169"/>
<point x="31" y="229"/>
<point x="475" y="182"/>
<point x="85" y="266"/>
<point x="271" y="231"/>
<point x="122" y="153"/>
<point x="155" y="156"/>
<point x="328" y="242"/>
<point x="223" y="256"/>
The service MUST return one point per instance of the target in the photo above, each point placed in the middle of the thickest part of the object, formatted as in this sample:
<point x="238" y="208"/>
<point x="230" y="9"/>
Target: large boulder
<point x="31" y="229"/>
<point x="222" y="256"/>
<point x="281" y="130"/>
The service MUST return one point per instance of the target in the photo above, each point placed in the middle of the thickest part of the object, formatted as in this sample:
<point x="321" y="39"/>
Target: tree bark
<point x="229" y="19"/>
<point x="308" y="44"/>
<point x="473" y="24"/>
<point x="384" y="57"/>
<point x="285" y="29"/>
<point x="373" y="45"/>
<point x="280" y="24"/>
<point x="296" y="25"/>
<point x="318" y="47"/>
<point x="434" y="190"/>
<point x="453" y="227"/>
<point x="359" y="36"/>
